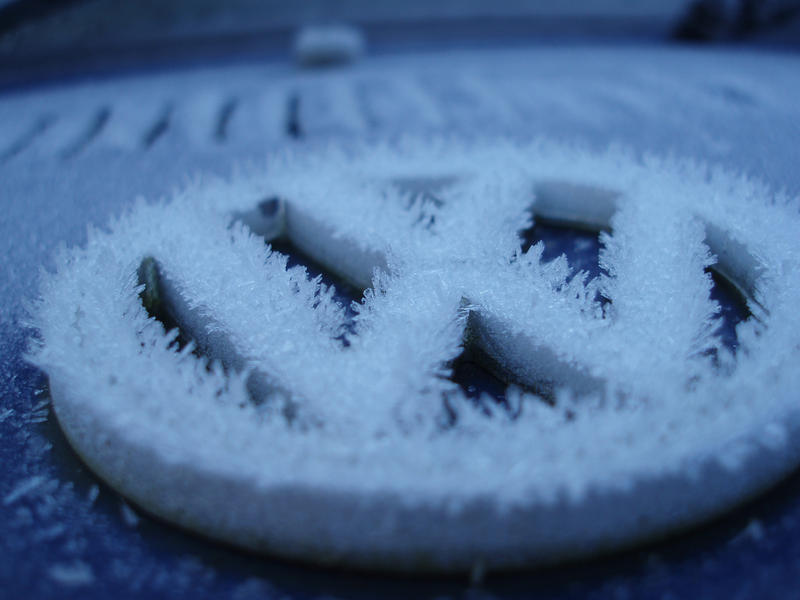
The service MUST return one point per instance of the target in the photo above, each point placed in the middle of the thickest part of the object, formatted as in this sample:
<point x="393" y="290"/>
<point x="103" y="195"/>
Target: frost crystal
<point x="314" y="436"/>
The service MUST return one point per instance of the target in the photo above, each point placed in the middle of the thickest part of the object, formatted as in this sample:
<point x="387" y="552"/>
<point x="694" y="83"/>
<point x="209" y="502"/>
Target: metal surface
<point x="70" y="155"/>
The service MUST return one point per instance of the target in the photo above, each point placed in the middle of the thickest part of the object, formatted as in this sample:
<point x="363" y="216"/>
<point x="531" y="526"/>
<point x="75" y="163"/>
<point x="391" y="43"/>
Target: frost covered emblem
<point x="314" y="435"/>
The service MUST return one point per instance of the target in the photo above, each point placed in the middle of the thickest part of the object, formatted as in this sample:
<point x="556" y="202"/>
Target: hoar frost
<point x="280" y="437"/>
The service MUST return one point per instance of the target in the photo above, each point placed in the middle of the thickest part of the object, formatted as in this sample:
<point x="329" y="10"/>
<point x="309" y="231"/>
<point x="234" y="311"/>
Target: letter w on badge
<point x="441" y="262"/>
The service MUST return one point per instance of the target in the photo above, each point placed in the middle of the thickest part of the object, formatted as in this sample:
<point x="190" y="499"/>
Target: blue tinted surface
<point x="753" y="552"/>
<point x="710" y="560"/>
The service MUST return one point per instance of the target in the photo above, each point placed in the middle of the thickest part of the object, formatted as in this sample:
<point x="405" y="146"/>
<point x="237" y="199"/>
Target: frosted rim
<point x="487" y="492"/>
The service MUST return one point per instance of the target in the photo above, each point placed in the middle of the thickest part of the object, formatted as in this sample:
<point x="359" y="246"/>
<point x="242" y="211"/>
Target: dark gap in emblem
<point x="269" y="207"/>
<point x="484" y="382"/>
<point x="476" y="380"/>
<point x="152" y="297"/>
<point x="157" y="129"/>
<point x="344" y="292"/>
<point x="224" y="117"/>
<point x="733" y="308"/>
<point x="161" y="302"/>
<point x="268" y="220"/>
<point x="426" y="203"/>
<point x="582" y="249"/>
<point x="26" y="139"/>
<point x="484" y="386"/>
<point x="294" y="127"/>
<point x="581" y="246"/>
<point x="424" y="195"/>
<point x="95" y="128"/>
<point x="158" y="307"/>
<point x="481" y="379"/>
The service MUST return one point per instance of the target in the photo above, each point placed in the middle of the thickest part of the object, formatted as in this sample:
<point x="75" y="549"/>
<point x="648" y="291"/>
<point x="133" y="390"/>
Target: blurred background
<point x="45" y="36"/>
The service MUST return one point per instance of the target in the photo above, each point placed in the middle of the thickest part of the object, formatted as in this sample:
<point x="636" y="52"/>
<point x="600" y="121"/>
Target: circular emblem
<point x="273" y="418"/>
